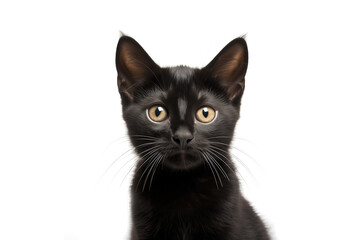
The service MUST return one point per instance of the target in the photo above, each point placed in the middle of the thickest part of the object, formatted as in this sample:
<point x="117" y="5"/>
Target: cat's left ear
<point x="230" y="66"/>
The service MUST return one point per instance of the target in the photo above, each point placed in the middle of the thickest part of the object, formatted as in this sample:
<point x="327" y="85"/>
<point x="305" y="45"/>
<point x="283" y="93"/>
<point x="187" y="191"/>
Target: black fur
<point x="189" y="190"/>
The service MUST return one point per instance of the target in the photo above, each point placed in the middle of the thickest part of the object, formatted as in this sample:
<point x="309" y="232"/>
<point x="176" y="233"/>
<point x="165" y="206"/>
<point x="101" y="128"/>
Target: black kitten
<point x="181" y="122"/>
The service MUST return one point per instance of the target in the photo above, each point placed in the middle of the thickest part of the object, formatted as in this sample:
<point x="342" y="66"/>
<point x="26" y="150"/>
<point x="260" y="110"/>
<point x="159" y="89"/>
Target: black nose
<point x="182" y="137"/>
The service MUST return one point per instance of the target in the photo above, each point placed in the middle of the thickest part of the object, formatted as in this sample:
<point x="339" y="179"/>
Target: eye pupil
<point x="158" y="111"/>
<point x="205" y="112"/>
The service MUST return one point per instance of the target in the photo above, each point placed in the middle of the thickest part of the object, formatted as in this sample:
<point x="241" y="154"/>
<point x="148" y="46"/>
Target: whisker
<point x="153" y="150"/>
<point x="122" y="155"/>
<point x="215" y="153"/>
<point x="217" y="173"/>
<point x="153" y="174"/>
<point x="141" y="135"/>
<point x="112" y="164"/>
<point x="147" y="151"/>
<point x="119" y="170"/>
<point x="124" y="138"/>
<point x="153" y="163"/>
<point x="151" y="159"/>
<point x="132" y="167"/>
<point x="230" y="137"/>
<point x="213" y="165"/>
<point x="146" y="144"/>
<point x="144" y="137"/>
<point x="240" y="161"/>
<point x="207" y="161"/>
<point x="247" y="155"/>
<point x="220" y="167"/>
<point x="243" y="164"/>
<point x="157" y="164"/>
<point x="241" y="151"/>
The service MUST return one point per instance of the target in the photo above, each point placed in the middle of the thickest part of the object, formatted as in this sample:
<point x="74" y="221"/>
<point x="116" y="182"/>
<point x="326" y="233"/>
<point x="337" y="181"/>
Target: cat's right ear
<point x="133" y="65"/>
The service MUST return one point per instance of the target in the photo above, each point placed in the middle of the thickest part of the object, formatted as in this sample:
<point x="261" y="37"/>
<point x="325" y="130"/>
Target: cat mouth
<point x="182" y="153"/>
<point x="182" y="159"/>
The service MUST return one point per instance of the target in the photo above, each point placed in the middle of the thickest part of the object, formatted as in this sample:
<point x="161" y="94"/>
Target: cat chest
<point x="186" y="210"/>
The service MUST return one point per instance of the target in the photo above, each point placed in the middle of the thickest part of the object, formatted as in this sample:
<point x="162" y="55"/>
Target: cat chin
<point x="183" y="160"/>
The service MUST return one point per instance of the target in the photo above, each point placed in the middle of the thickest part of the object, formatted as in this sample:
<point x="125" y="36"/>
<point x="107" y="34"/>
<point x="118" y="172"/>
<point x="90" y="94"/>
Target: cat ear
<point x="230" y="66"/>
<point x="133" y="65"/>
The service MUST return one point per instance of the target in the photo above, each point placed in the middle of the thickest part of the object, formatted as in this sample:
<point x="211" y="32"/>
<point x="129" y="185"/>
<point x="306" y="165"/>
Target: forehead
<point x="181" y="87"/>
<point x="181" y="83"/>
<point x="181" y="73"/>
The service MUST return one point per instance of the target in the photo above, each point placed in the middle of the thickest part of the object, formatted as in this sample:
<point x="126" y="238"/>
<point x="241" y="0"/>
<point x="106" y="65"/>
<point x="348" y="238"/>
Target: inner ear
<point x="133" y="65"/>
<point x="230" y="66"/>
<point x="130" y="60"/>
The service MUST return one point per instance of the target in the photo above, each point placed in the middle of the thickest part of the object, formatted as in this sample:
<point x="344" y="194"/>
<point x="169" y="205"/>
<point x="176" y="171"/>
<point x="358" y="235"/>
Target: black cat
<point x="181" y="122"/>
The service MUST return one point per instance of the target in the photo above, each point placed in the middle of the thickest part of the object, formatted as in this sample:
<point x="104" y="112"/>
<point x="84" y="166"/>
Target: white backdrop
<point x="61" y="125"/>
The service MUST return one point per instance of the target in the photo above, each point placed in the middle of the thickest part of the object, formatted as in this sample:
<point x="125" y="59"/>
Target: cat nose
<point x="182" y="137"/>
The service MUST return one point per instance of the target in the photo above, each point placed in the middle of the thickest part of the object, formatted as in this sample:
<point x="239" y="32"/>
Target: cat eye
<point x="157" y="113"/>
<point x="205" y="114"/>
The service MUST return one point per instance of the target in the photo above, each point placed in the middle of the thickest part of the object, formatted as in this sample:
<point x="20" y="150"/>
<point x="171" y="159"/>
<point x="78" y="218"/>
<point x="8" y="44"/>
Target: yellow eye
<point x="205" y="114"/>
<point x="157" y="113"/>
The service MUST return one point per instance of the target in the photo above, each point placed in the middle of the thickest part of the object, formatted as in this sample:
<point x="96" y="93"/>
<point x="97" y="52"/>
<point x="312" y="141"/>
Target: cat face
<point x="180" y="117"/>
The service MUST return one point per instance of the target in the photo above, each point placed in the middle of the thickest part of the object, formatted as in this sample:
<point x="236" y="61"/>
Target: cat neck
<point x="203" y="180"/>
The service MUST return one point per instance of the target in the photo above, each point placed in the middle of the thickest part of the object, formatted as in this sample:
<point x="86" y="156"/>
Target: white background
<point x="61" y="125"/>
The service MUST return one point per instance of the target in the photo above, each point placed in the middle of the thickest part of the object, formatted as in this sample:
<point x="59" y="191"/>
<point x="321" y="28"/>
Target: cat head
<point x="181" y="116"/>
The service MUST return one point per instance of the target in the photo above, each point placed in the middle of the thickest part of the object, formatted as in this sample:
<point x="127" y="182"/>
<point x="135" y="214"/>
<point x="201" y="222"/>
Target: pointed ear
<point x="230" y="66"/>
<point x="133" y="65"/>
